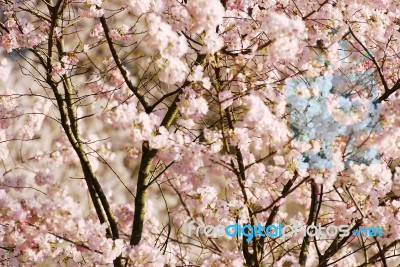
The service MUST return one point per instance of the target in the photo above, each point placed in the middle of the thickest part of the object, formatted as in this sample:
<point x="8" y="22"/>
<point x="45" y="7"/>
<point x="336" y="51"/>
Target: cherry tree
<point x="123" y="121"/>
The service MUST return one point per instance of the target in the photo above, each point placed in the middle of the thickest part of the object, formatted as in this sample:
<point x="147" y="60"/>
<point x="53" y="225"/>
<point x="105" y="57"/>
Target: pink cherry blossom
<point x="124" y="125"/>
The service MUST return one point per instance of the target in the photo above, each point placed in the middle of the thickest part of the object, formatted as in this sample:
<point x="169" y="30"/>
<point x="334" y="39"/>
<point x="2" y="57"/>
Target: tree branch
<point x="121" y="68"/>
